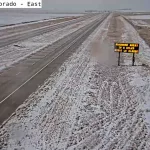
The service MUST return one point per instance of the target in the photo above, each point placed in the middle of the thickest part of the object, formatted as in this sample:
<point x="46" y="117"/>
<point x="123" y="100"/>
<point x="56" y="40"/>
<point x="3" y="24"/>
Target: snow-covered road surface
<point x="131" y="35"/>
<point x="18" y="51"/>
<point x="9" y="18"/>
<point x="90" y="103"/>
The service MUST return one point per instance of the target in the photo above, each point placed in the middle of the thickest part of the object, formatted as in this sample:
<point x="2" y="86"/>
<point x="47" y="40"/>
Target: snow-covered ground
<point x="7" y="18"/>
<point x="140" y="77"/>
<point x="139" y="17"/>
<point x="18" y="51"/>
<point x="88" y="104"/>
<point x="68" y="80"/>
<point x="139" y="20"/>
<point x="132" y="36"/>
<point x="140" y="23"/>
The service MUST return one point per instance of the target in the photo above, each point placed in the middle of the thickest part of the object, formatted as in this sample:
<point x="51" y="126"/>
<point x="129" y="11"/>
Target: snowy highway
<point x="18" y="51"/>
<point x="34" y="29"/>
<point x="24" y="77"/>
<point x="72" y="95"/>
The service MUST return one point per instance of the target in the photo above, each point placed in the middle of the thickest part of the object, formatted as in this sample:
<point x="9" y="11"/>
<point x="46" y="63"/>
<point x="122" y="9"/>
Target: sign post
<point x="119" y="59"/>
<point x="127" y="48"/>
<point x="133" y="60"/>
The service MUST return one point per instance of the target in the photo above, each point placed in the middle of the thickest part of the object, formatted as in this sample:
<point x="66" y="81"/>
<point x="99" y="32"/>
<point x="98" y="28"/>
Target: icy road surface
<point x="90" y="103"/>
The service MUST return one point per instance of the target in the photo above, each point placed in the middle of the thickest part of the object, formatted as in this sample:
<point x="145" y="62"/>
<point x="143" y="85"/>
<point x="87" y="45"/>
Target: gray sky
<point x="78" y="5"/>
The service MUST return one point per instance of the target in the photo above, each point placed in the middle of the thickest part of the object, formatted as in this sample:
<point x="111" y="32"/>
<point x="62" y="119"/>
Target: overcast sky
<point x="78" y="5"/>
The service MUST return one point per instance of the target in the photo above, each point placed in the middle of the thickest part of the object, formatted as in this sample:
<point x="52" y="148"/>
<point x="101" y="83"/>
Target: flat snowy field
<point x="133" y="35"/>
<point x="139" y="20"/>
<point x="18" y="51"/>
<point x="15" y="18"/>
<point x="139" y="17"/>
<point x="90" y="103"/>
<point x="140" y="23"/>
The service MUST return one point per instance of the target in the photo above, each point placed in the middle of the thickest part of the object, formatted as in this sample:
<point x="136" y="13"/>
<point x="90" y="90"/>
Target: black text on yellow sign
<point x="127" y="47"/>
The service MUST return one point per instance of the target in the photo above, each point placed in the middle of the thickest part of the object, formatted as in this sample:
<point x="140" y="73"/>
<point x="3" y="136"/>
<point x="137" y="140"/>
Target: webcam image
<point x="74" y="75"/>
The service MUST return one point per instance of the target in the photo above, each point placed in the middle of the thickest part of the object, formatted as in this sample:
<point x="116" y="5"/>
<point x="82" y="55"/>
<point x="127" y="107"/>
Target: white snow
<point x="147" y="112"/>
<point x="12" y="54"/>
<point x="140" y="23"/>
<point x="131" y="35"/>
<point x="140" y="76"/>
<point x="140" y="80"/>
<point x="28" y="31"/>
<point x="7" y="18"/>
<point x="137" y="81"/>
<point x="139" y="17"/>
<point x="66" y="88"/>
<point x="86" y="104"/>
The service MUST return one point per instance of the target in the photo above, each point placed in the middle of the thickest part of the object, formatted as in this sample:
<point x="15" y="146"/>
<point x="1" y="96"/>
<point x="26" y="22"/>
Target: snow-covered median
<point x="18" y="51"/>
<point x="131" y="35"/>
<point x="139" y="17"/>
<point x="140" y="23"/>
<point x="139" y="76"/>
<point x="88" y="104"/>
<point x="52" y="110"/>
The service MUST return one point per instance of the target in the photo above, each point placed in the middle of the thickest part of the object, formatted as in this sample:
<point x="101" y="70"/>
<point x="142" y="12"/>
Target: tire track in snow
<point x="97" y="109"/>
<point x="127" y="130"/>
<point x="62" y="107"/>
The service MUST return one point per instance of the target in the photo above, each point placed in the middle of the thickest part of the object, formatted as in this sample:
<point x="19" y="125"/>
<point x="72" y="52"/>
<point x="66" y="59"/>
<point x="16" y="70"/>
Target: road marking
<point x="5" y="121"/>
<point x="37" y="73"/>
<point x="49" y="62"/>
<point x="29" y="79"/>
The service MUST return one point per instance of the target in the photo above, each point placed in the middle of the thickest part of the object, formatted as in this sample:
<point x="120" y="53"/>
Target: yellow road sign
<point x="127" y="47"/>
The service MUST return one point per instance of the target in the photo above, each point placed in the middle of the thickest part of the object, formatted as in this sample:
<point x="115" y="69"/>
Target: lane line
<point x="29" y="79"/>
<point x="38" y="72"/>
<point x="50" y="62"/>
<point x="5" y="121"/>
<point x="24" y="84"/>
